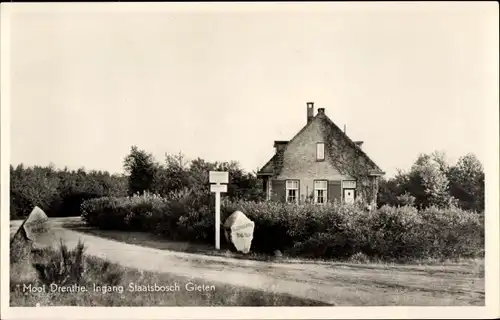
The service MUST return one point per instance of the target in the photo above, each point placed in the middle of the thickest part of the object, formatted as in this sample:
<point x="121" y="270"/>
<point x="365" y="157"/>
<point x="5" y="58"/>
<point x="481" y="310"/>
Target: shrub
<point x="126" y="213"/>
<point x="62" y="267"/>
<point x="452" y="232"/>
<point x="326" y="231"/>
<point x="359" y="257"/>
<point x="341" y="231"/>
<point x="181" y="215"/>
<point x="406" y="199"/>
<point x="271" y="223"/>
<point x="394" y="233"/>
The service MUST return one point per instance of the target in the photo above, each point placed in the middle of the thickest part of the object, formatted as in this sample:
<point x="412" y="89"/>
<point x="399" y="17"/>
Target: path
<point x="336" y="283"/>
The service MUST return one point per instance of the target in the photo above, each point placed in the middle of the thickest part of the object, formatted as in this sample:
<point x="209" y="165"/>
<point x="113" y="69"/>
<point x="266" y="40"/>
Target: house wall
<point x="300" y="161"/>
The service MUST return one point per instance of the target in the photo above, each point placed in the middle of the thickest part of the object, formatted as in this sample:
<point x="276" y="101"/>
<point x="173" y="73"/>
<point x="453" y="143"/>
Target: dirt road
<point x="337" y="283"/>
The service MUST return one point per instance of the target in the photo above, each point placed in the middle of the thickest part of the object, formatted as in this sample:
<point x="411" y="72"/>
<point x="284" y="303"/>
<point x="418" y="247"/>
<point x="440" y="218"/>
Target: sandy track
<point x="335" y="283"/>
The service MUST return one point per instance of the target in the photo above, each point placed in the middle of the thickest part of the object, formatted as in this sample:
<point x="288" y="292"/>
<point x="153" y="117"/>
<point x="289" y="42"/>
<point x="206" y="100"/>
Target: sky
<point x="223" y="82"/>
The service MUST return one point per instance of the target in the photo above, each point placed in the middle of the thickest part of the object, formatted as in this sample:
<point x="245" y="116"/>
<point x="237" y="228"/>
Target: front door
<point x="349" y="195"/>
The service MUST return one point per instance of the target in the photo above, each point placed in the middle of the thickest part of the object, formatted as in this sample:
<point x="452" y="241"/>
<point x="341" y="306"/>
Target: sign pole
<point x="219" y="178"/>
<point x="217" y="220"/>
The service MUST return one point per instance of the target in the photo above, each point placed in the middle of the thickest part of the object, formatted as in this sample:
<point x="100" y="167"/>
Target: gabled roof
<point x="269" y="167"/>
<point x="376" y="170"/>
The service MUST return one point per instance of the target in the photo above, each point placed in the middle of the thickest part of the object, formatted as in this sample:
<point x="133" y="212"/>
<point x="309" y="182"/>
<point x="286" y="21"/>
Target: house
<point x="320" y="164"/>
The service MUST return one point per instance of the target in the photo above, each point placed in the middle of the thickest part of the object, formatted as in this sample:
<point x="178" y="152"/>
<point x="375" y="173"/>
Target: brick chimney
<point x="310" y="111"/>
<point x="321" y="111"/>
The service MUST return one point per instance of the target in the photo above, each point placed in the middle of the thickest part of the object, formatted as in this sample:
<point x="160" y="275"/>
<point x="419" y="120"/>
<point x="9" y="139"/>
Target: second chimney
<point x="359" y="143"/>
<point x="310" y="111"/>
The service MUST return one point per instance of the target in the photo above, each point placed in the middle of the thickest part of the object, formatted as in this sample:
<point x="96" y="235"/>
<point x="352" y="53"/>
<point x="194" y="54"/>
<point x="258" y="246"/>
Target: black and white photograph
<point x="281" y="154"/>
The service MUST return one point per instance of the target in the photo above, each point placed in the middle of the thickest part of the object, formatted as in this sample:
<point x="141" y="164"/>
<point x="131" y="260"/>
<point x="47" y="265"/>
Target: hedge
<point x="307" y="230"/>
<point x="340" y="231"/>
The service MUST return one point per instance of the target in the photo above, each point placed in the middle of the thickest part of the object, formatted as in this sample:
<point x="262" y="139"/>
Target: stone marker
<point x="34" y="233"/>
<point x="238" y="230"/>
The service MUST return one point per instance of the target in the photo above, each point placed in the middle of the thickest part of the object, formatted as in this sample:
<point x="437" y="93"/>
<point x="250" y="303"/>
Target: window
<point x="320" y="151"/>
<point x="349" y="184"/>
<point x="320" y="191"/>
<point x="292" y="191"/>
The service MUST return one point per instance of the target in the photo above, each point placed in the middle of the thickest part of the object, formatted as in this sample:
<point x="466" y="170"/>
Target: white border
<point x="491" y="310"/>
<point x="4" y="153"/>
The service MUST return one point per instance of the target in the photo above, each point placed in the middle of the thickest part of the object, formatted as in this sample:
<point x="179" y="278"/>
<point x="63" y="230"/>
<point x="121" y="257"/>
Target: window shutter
<point x="334" y="191"/>
<point x="278" y="190"/>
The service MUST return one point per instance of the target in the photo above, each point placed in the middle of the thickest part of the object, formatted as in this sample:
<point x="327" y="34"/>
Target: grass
<point x="61" y="267"/>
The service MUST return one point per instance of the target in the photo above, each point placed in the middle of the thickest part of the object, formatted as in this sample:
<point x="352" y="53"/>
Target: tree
<point x="425" y="184"/>
<point x="386" y="192"/>
<point x="141" y="168"/>
<point x="467" y="183"/>
<point x="397" y="191"/>
<point x="173" y="176"/>
<point x="429" y="184"/>
<point x="439" y="157"/>
<point x="30" y="187"/>
<point x="433" y="181"/>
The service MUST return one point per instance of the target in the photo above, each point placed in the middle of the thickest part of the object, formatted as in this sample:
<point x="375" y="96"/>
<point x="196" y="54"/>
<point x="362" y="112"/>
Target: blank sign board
<point x="219" y="176"/>
<point x="218" y="187"/>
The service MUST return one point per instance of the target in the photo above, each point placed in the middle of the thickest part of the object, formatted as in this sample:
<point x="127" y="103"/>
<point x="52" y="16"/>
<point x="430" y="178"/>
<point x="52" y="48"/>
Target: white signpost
<point x="219" y="178"/>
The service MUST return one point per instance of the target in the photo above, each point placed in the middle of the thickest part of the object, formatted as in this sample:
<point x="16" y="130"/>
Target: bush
<point x="62" y="267"/>
<point x="308" y="230"/>
<point x="182" y="215"/>
<point x="452" y="232"/>
<point x="341" y="231"/>
<point x="271" y="223"/>
<point x="127" y="213"/>
<point x="65" y="266"/>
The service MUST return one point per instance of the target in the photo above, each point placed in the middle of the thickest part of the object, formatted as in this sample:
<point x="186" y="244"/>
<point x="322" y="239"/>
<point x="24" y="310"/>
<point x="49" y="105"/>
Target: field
<point x="244" y="281"/>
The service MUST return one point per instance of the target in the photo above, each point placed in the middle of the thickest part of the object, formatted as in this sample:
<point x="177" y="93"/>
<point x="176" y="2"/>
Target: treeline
<point x="62" y="192"/>
<point x="177" y="174"/>
<point x="432" y="181"/>
<point x="59" y="192"/>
